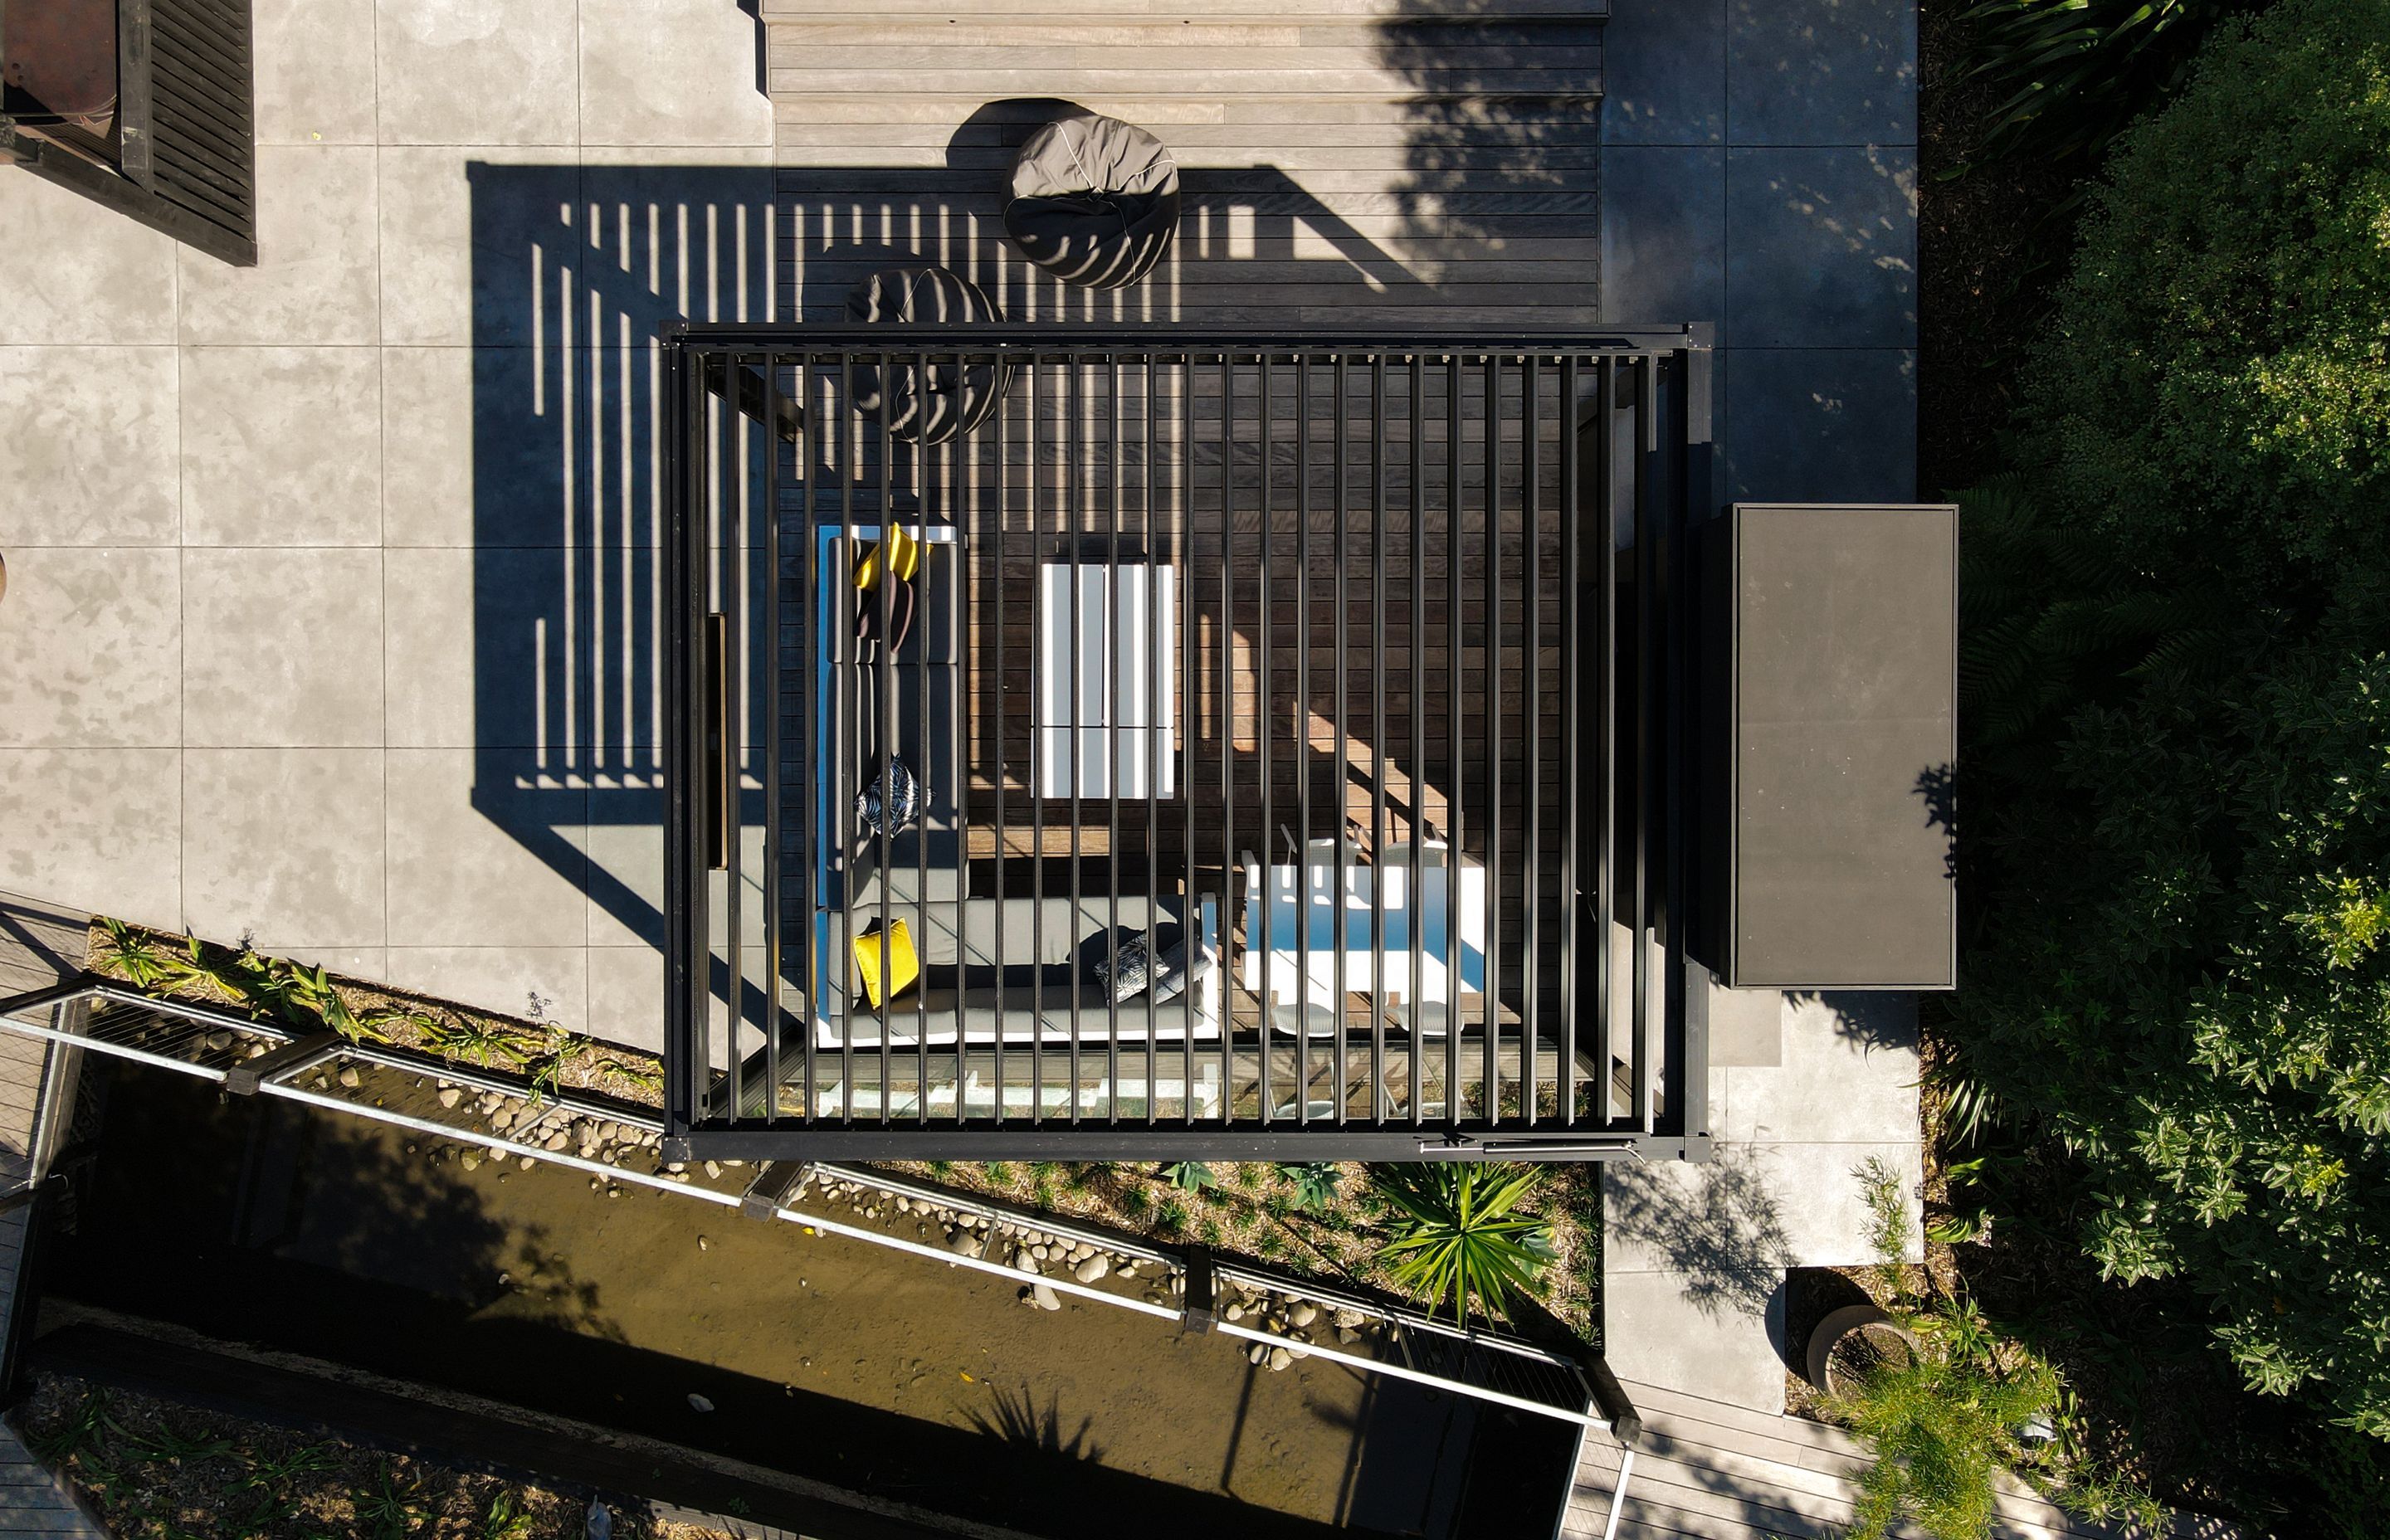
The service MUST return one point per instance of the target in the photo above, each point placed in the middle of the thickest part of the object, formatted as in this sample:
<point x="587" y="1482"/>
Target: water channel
<point x="256" y="1220"/>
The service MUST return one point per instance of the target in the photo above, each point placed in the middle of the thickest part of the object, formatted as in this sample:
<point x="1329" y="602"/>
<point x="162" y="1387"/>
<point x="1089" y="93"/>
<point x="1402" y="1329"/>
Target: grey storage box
<point x="1829" y="703"/>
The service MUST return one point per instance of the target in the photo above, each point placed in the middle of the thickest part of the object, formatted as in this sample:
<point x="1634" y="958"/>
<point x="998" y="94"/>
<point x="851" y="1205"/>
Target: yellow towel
<point x="904" y="560"/>
<point x="904" y="967"/>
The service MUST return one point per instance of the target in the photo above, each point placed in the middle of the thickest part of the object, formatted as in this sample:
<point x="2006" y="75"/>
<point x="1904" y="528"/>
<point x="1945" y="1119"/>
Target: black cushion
<point x="1095" y="200"/>
<point x="936" y="402"/>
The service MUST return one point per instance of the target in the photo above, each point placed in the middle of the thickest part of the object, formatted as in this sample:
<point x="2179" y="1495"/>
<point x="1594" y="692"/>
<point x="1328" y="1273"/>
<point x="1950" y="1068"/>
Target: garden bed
<point x="1324" y="1221"/>
<point x="147" y="1467"/>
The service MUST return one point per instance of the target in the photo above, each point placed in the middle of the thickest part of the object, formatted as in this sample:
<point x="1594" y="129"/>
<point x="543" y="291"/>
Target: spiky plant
<point x="466" y="1036"/>
<point x="1313" y="1182"/>
<point x="392" y="1510"/>
<point x="634" y="1074"/>
<point x="1456" y="1241"/>
<point x="1190" y="1175"/>
<point x="133" y="955"/>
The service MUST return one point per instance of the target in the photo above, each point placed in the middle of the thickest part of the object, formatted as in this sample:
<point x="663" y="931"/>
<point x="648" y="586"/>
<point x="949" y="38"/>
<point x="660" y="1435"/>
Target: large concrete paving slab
<point x="299" y="552"/>
<point x="91" y="457"/>
<point x="282" y="446"/>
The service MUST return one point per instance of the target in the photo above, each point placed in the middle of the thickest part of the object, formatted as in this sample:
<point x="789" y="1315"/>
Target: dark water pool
<point x="260" y="1221"/>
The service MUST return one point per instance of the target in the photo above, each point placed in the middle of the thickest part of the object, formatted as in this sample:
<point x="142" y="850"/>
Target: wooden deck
<point x="1341" y="161"/>
<point x="1706" y="1470"/>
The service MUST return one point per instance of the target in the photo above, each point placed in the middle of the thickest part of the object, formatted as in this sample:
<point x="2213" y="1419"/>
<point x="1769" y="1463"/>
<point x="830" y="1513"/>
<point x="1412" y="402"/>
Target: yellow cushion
<point x="904" y="558"/>
<point x="904" y="967"/>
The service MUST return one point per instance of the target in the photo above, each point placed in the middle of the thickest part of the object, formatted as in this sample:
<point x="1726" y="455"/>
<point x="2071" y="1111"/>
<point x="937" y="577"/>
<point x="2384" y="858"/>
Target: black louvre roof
<point x="1418" y="621"/>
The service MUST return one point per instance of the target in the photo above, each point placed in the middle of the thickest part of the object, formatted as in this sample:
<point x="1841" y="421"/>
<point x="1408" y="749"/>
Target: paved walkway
<point x="38" y="946"/>
<point x="1707" y="1470"/>
<point x="1804" y="1090"/>
<point x="1760" y="169"/>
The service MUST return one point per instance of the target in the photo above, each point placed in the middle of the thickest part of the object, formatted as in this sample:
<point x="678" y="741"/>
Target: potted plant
<point x="1849" y="1344"/>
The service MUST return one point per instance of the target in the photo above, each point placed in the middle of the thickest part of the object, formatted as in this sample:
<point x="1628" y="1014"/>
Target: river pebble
<point x="1091" y="1269"/>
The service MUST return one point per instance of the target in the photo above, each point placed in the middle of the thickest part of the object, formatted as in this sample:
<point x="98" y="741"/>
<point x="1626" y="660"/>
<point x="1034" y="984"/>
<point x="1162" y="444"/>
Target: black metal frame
<point x="1600" y="440"/>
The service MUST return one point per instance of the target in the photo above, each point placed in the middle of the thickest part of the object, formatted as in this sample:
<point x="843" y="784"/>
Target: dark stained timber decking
<point x="1386" y="625"/>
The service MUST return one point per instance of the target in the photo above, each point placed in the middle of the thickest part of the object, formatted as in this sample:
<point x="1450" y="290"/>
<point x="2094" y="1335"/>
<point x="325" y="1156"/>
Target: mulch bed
<point x="149" y="1467"/>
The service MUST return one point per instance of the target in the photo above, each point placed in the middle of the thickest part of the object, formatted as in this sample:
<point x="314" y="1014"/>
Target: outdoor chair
<point x="1095" y="200"/>
<point x="936" y="397"/>
<point x="1294" y="916"/>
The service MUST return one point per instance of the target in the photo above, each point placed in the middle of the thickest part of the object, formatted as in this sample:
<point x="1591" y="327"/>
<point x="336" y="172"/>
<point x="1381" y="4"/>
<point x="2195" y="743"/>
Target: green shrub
<point x="1190" y="1175"/>
<point x="1456" y="1241"/>
<point x="2179" y="714"/>
<point x="1313" y="1182"/>
<point x="1942" y="1431"/>
<point x="2071" y="73"/>
<point x="2214" y="391"/>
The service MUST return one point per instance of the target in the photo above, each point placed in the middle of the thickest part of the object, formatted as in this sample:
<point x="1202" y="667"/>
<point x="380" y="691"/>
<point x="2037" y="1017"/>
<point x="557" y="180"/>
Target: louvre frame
<point x="1649" y="386"/>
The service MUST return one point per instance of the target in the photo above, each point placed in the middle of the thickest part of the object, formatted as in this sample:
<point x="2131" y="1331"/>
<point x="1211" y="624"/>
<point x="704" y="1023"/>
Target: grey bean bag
<point x="933" y="403"/>
<point x="1095" y="200"/>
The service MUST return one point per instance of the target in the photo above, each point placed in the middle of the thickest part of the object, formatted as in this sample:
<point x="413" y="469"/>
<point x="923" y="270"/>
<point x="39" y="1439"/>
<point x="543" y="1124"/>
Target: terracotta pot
<point x="1852" y="1325"/>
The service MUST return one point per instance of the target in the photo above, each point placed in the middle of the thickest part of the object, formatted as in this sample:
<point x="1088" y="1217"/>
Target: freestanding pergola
<point x="1349" y="673"/>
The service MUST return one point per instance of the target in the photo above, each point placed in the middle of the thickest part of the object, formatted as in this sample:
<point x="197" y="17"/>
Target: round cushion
<point x="1095" y="200"/>
<point x="936" y="402"/>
